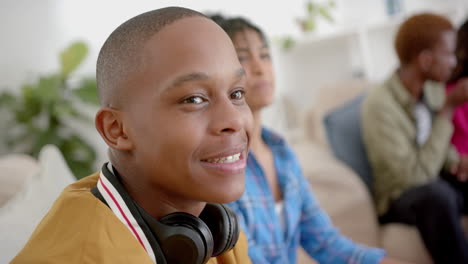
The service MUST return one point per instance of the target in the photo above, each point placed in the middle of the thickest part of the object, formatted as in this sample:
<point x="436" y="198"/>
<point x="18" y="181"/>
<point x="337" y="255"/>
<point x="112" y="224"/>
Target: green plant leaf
<point x="308" y="25"/>
<point x="27" y="90"/>
<point x="287" y="43"/>
<point x="46" y="137"/>
<point x="323" y="11"/>
<point x="80" y="116"/>
<point x="311" y="7"/>
<point x="19" y="138"/>
<point x="63" y="109"/>
<point x="79" y="156"/>
<point x="8" y="100"/>
<point x="72" y="57"/>
<point x="29" y="107"/>
<point x="49" y="89"/>
<point x="87" y="92"/>
<point x="38" y="112"/>
<point x="80" y="169"/>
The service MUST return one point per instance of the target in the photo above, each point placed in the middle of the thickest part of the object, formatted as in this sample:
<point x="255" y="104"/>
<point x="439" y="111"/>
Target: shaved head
<point x="172" y="93"/>
<point x="121" y="55"/>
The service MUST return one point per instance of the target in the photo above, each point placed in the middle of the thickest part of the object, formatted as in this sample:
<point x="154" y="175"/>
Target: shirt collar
<point x="271" y="138"/>
<point x="127" y="211"/>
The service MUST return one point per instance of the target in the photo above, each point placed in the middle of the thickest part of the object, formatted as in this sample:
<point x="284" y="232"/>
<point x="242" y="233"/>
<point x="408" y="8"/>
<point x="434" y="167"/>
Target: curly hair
<point x="461" y="52"/>
<point x="234" y="25"/>
<point x="418" y="33"/>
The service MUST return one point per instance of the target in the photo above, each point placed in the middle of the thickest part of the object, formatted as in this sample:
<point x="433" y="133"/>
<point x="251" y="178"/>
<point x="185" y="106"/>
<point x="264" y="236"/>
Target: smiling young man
<point x="177" y="125"/>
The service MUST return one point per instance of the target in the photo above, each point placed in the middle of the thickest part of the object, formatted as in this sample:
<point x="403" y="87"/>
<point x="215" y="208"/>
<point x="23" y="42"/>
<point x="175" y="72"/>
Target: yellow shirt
<point x="79" y="228"/>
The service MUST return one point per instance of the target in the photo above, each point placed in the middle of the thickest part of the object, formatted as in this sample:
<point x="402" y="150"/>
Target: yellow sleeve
<point x="237" y="255"/>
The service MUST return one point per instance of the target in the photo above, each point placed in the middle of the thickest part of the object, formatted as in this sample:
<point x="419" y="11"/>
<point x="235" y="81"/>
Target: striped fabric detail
<point x="120" y="209"/>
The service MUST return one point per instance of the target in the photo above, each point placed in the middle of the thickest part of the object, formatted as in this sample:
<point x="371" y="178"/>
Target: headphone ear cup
<point x="222" y="221"/>
<point x="187" y="234"/>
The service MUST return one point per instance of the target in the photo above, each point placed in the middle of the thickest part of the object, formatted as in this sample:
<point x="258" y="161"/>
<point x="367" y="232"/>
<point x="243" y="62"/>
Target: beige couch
<point x="28" y="188"/>
<point x="341" y="193"/>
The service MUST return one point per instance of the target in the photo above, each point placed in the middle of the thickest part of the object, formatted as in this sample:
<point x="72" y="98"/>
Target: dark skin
<point x="181" y="139"/>
<point x="437" y="64"/>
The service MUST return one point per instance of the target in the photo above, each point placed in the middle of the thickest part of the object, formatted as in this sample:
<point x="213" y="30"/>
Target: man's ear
<point x="425" y="60"/>
<point x="110" y="125"/>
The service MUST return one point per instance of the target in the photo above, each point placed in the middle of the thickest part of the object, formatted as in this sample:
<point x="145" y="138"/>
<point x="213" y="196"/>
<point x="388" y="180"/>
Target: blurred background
<point x="48" y="82"/>
<point x="325" y="54"/>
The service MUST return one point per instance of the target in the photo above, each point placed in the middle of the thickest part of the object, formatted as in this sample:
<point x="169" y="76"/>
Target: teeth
<point x="228" y="159"/>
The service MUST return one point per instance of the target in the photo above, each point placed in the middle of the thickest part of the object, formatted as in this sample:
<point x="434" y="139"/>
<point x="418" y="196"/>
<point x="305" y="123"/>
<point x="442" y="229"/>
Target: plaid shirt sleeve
<point x="321" y="240"/>
<point x="256" y="254"/>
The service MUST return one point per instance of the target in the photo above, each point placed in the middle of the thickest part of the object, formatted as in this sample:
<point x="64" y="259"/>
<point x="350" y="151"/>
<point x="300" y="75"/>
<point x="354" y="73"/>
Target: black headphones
<point x="186" y="239"/>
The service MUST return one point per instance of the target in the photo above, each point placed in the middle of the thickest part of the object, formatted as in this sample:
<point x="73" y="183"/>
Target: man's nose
<point x="227" y="117"/>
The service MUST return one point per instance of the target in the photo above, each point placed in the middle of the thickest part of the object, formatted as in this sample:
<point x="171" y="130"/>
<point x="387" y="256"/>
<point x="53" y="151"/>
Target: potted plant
<point x="36" y="115"/>
<point x="314" y="12"/>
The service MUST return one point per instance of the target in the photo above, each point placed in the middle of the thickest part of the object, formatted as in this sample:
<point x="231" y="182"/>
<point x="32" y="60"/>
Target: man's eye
<point x="193" y="100"/>
<point x="238" y="95"/>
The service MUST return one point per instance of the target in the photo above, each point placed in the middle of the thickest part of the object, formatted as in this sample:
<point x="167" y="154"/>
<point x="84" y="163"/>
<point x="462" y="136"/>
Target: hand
<point x="461" y="169"/>
<point x="458" y="95"/>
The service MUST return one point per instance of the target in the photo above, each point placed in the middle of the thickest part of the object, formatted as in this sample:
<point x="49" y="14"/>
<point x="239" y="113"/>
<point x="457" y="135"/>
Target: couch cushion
<point x="22" y="213"/>
<point x="343" y="128"/>
<point x="404" y="242"/>
<point x="16" y="169"/>
<point x="304" y="258"/>
<point x="330" y="96"/>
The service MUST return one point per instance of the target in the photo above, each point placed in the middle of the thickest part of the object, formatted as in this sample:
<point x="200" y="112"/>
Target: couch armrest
<point x="15" y="171"/>
<point x="330" y="96"/>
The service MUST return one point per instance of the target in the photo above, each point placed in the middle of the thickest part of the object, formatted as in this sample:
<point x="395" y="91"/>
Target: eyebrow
<point x="190" y="77"/>
<point x="200" y="76"/>
<point x="264" y="46"/>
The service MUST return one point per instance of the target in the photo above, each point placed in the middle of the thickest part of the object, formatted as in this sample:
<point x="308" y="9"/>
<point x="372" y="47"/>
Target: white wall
<point x="29" y="40"/>
<point x="33" y="31"/>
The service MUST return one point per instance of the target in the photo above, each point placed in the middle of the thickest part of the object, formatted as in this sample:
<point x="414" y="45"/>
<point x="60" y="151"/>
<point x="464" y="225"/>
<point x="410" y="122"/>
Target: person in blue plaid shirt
<point x="278" y="211"/>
